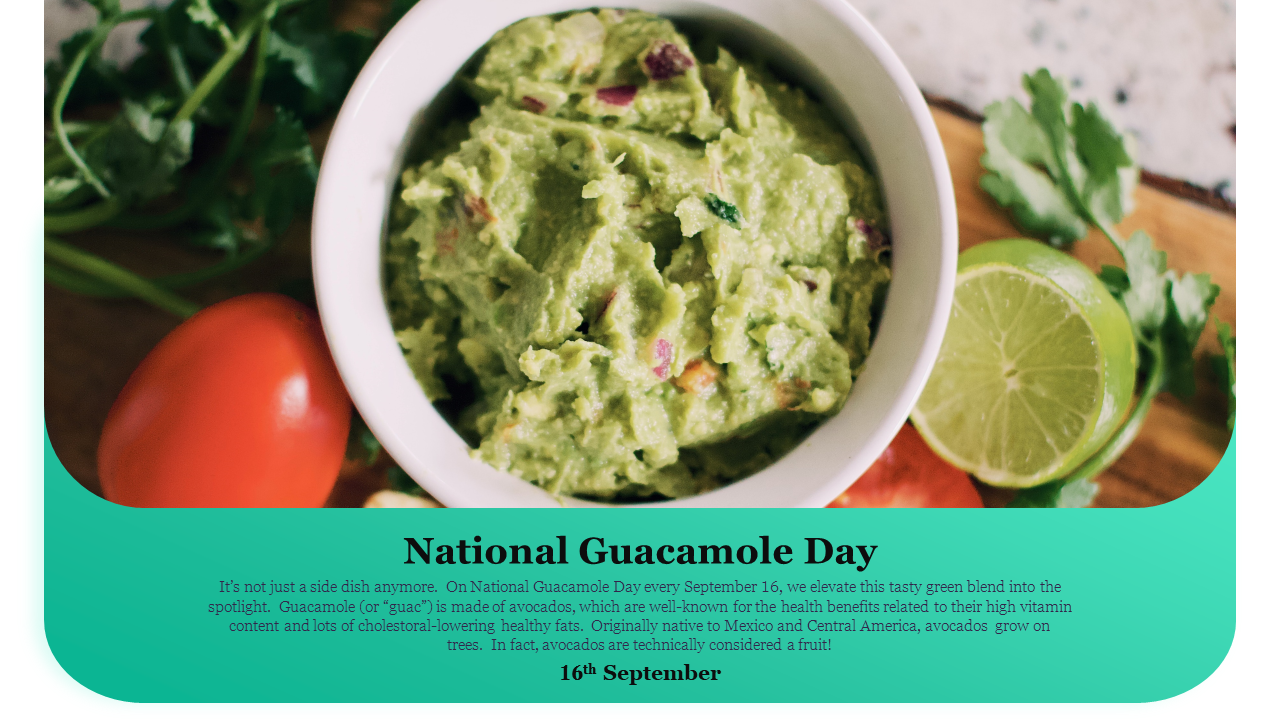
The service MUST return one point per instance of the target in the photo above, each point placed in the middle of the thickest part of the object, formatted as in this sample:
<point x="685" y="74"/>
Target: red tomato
<point x="239" y="406"/>
<point x="909" y="475"/>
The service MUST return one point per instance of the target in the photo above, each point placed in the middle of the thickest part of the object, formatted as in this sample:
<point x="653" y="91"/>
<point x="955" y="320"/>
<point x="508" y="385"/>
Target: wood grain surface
<point x="91" y="346"/>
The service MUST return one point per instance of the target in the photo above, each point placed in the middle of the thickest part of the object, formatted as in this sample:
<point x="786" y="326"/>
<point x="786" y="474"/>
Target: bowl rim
<point x="352" y="332"/>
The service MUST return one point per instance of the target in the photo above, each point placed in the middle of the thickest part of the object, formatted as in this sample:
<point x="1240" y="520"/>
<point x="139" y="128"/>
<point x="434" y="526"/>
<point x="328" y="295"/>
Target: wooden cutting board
<point x="91" y="346"/>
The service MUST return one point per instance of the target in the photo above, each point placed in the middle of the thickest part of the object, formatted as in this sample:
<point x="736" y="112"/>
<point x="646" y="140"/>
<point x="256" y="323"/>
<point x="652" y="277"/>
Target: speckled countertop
<point x="1164" y="69"/>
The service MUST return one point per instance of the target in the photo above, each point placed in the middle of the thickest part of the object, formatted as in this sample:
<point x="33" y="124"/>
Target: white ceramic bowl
<point x="824" y="43"/>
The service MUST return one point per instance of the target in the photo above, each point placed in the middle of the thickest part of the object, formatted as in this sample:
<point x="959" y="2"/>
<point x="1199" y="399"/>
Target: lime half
<point x="1036" y="369"/>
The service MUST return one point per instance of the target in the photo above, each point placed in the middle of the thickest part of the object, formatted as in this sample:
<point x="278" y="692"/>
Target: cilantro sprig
<point x="1060" y="168"/>
<point x="1075" y="493"/>
<point x="1224" y="367"/>
<point x="208" y="139"/>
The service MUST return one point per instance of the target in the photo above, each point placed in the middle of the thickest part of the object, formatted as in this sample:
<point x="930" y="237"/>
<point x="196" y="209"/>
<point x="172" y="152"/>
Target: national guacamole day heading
<point x="595" y="551"/>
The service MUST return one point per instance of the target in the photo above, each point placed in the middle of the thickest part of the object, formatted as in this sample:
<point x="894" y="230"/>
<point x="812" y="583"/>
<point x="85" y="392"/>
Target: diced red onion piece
<point x="445" y="241"/>
<point x="620" y="95"/>
<point x="608" y="300"/>
<point x="662" y="352"/>
<point x="533" y="104"/>
<point x="666" y="61"/>
<point x="875" y="238"/>
<point x="474" y="205"/>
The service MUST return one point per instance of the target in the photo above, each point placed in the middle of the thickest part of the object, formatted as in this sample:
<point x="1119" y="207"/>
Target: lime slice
<point x="1036" y="369"/>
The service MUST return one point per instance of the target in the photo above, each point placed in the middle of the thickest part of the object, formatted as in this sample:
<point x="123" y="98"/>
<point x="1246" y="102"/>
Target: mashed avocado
<point x="634" y="274"/>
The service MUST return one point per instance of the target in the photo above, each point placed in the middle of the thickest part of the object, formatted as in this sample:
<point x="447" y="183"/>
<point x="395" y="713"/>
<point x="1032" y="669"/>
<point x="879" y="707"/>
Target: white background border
<point x="33" y="685"/>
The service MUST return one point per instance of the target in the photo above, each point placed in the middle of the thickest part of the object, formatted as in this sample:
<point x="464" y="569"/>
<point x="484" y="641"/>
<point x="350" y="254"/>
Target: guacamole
<point x="634" y="274"/>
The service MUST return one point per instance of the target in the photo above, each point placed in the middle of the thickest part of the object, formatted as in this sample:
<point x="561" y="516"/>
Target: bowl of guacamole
<point x="632" y="258"/>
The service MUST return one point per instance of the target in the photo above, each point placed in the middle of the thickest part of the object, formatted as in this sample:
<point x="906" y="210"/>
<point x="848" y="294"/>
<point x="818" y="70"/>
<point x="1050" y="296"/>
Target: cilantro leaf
<point x="1076" y="493"/>
<point x="1168" y="311"/>
<point x="1048" y="98"/>
<point x="284" y="171"/>
<point x="309" y="66"/>
<point x="175" y="44"/>
<point x="106" y="8"/>
<point x="301" y="61"/>
<point x="141" y="154"/>
<point x="397" y="11"/>
<point x="1058" y="172"/>
<point x="178" y="50"/>
<point x="1110" y="174"/>
<point x="1142" y="283"/>
<point x="1190" y="298"/>
<point x="361" y="443"/>
<point x="218" y="229"/>
<point x="1019" y="158"/>
<point x="99" y="81"/>
<point x="59" y="189"/>
<point x="723" y="209"/>
<point x="1224" y="367"/>
<point x="201" y="12"/>
<point x="400" y="481"/>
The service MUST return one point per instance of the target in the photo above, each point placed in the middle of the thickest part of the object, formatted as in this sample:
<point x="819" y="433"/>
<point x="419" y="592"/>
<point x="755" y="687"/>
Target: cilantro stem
<point x="1081" y="208"/>
<point x="256" y="82"/>
<point x="1110" y="232"/>
<point x="60" y="101"/>
<point x="86" y="285"/>
<point x="113" y="274"/>
<point x="74" y="129"/>
<point x="173" y="54"/>
<point x="1063" y="178"/>
<point x="95" y="214"/>
<point x="100" y="32"/>
<point x="57" y="163"/>
<point x="75" y="282"/>
<point x="1122" y="438"/>
<point x="235" y="49"/>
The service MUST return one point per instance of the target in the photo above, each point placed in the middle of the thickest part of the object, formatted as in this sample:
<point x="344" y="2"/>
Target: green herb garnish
<point x="1060" y="167"/>
<point x="209" y="140"/>
<point x="726" y="211"/>
<point x="1057" y="176"/>
<point x="400" y="481"/>
<point x="362" y="445"/>
<point x="1224" y="367"/>
<point x="1076" y="493"/>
